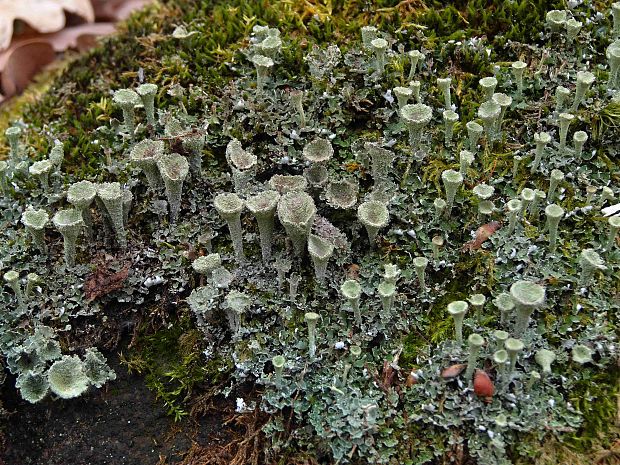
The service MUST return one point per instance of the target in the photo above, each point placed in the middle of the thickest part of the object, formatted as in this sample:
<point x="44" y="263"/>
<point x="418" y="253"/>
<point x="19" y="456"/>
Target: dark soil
<point x="122" y="423"/>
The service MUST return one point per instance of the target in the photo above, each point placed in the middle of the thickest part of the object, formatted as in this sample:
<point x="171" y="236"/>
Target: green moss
<point x="596" y="397"/>
<point x="173" y="366"/>
<point x="79" y="101"/>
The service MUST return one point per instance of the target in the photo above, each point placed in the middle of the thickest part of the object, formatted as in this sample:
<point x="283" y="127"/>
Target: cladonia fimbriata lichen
<point x="145" y="155"/>
<point x="545" y="358"/>
<point x="374" y="215"/>
<point x="541" y="139"/>
<point x="527" y="296"/>
<point x="590" y="261"/>
<point x="457" y="310"/>
<point x="243" y="166"/>
<point x="81" y="195"/>
<point x="127" y="100"/>
<point x="452" y="181"/>
<point x="320" y="251"/>
<point x="147" y="93"/>
<point x="352" y="291"/>
<point x="296" y="212"/>
<point x="554" y="214"/>
<point x="488" y="85"/>
<point x="69" y="223"/>
<point x="311" y="320"/>
<point x="263" y="66"/>
<point x="475" y="342"/>
<point x="444" y="87"/>
<point x="614" y="227"/>
<point x="585" y="79"/>
<point x="13" y="134"/>
<point x="229" y="207"/>
<point x="556" y="20"/>
<point x="518" y="70"/>
<point x="489" y="112"/>
<point x="416" y="117"/>
<point x="35" y="222"/>
<point x="420" y="264"/>
<point x="263" y="206"/>
<point x="42" y="169"/>
<point x="173" y="169"/>
<point x="11" y="277"/>
<point x="111" y="195"/>
<point x="513" y="347"/>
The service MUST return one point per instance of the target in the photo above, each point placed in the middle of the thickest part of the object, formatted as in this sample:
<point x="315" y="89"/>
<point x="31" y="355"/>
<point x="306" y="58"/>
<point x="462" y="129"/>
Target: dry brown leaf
<point x="43" y="15"/>
<point x="453" y="371"/>
<point x="483" y="386"/>
<point x="103" y="282"/>
<point x="482" y="234"/>
<point x="61" y="40"/>
<point x="23" y="63"/>
<point x="117" y="10"/>
<point x="27" y="56"/>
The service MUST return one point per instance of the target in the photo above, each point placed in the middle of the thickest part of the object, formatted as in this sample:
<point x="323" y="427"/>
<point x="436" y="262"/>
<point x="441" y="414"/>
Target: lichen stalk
<point x="514" y="208"/>
<point x="457" y="310"/>
<point x="12" y="134"/>
<point x="452" y="181"/>
<point x="541" y="139"/>
<point x="263" y="207"/>
<point x="174" y="169"/>
<point x="527" y="297"/>
<point x="297" y="101"/>
<point x="320" y="251"/>
<point x="584" y="80"/>
<point x="230" y="206"/>
<point x="450" y="118"/>
<point x="296" y="212"/>
<point x="147" y="94"/>
<point x="420" y="264"/>
<point x="444" y="86"/>
<point x="614" y="227"/>
<point x="111" y="195"/>
<point x="554" y="215"/>
<point x="69" y="223"/>
<point x="518" y="69"/>
<point x="475" y="342"/>
<point x="565" y="120"/>
<point x="311" y="319"/>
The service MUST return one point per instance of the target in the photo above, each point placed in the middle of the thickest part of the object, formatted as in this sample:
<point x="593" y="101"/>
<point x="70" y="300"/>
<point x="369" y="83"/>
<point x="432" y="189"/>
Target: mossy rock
<point x="194" y="71"/>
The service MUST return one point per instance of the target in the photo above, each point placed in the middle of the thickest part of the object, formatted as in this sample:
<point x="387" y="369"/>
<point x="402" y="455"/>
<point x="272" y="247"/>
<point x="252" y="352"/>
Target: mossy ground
<point x="77" y="100"/>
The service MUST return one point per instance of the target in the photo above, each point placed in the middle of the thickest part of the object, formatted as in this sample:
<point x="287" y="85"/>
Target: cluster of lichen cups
<point x="284" y="200"/>
<point x="292" y="202"/>
<point x="525" y="297"/>
<point x="113" y="200"/>
<point x="286" y="197"/>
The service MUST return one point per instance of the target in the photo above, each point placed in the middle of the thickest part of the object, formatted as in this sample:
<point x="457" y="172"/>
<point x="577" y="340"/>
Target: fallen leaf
<point x="117" y="10"/>
<point x="42" y="15"/>
<point x="412" y="379"/>
<point x="388" y="375"/>
<point x="483" y="386"/>
<point x="453" y="371"/>
<point x="353" y="271"/>
<point x="26" y="56"/>
<point x="482" y="234"/>
<point x="103" y="282"/>
<point x="23" y="63"/>
<point x="61" y="40"/>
